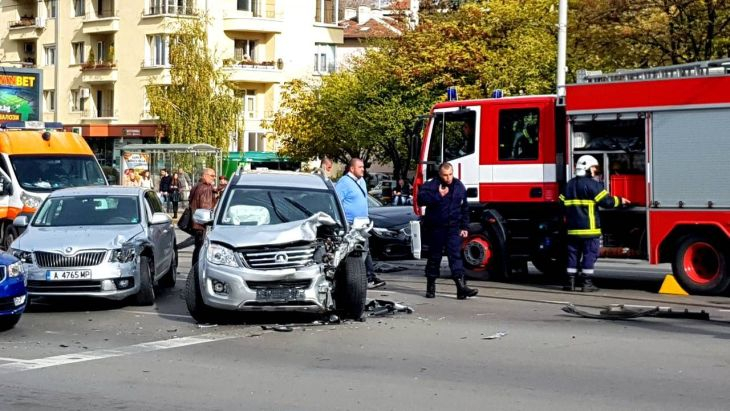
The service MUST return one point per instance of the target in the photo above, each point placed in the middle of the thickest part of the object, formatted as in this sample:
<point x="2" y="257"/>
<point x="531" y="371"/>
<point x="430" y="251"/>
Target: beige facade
<point x="260" y="43"/>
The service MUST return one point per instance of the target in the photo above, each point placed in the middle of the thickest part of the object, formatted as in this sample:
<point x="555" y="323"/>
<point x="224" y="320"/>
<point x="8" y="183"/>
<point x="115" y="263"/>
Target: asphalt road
<point x="510" y="348"/>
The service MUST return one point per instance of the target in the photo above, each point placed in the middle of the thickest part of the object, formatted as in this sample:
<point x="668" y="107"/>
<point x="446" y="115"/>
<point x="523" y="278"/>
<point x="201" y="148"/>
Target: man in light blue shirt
<point x="353" y="194"/>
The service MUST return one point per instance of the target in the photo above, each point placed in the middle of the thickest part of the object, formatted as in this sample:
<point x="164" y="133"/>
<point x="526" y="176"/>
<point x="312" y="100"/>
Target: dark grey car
<point x="111" y="242"/>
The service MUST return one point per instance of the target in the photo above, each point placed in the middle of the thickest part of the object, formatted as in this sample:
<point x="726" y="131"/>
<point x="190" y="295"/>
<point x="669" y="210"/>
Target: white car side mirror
<point x="160" y="218"/>
<point x="21" y="221"/>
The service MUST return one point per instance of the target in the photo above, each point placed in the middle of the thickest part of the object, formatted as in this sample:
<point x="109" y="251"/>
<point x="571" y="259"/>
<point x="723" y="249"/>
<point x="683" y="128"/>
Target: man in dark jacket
<point x="582" y="196"/>
<point x="445" y="223"/>
<point x="165" y="187"/>
<point x="202" y="196"/>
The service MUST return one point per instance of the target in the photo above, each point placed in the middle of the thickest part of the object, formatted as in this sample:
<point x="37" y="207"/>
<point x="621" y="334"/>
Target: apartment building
<point x="97" y="56"/>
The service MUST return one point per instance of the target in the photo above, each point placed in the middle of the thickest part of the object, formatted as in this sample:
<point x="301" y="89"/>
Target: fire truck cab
<point x="661" y="137"/>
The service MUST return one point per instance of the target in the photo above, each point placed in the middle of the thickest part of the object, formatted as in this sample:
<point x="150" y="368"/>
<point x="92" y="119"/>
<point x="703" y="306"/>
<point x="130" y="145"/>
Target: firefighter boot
<point x="462" y="291"/>
<point x="570" y="286"/>
<point x="430" y="287"/>
<point x="588" y="286"/>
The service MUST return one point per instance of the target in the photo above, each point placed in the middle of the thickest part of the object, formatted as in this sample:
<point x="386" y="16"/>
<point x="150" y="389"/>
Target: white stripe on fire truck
<point x="518" y="173"/>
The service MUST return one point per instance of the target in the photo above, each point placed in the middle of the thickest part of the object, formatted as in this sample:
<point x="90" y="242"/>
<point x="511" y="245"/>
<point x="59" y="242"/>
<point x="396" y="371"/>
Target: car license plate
<point x="60" y="275"/>
<point x="279" y="294"/>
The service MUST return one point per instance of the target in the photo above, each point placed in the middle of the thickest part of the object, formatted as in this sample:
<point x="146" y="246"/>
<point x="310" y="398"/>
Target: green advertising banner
<point x="20" y="95"/>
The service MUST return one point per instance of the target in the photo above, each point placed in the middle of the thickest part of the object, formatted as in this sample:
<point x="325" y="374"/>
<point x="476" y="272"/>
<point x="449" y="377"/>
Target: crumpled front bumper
<point x="245" y="289"/>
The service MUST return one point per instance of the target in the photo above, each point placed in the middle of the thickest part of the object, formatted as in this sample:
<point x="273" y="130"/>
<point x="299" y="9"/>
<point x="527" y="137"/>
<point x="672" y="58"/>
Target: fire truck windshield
<point x="452" y="136"/>
<point x="47" y="173"/>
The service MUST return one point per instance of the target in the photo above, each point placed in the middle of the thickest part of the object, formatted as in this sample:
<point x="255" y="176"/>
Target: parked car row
<point x="276" y="241"/>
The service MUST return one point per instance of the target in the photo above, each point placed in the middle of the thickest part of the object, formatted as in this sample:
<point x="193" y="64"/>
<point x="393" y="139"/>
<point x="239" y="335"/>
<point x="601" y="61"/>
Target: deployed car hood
<point x="391" y="216"/>
<point x="257" y="235"/>
<point x="77" y="237"/>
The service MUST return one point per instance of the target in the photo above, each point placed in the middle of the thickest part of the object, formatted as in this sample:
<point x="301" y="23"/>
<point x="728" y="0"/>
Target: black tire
<point x="351" y="288"/>
<point x="146" y="293"/>
<point x="193" y="299"/>
<point x="8" y="321"/>
<point x="170" y="278"/>
<point x="700" y="265"/>
<point x="10" y="235"/>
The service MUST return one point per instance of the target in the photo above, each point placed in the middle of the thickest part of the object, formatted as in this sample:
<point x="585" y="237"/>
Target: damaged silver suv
<point x="278" y="241"/>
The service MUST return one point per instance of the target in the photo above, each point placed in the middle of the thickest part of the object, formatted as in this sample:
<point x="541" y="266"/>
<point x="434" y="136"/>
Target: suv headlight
<point x="385" y="233"/>
<point x="15" y="269"/>
<point x="122" y="255"/>
<point x="22" y="255"/>
<point x="221" y="255"/>
<point x="30" y="201"/>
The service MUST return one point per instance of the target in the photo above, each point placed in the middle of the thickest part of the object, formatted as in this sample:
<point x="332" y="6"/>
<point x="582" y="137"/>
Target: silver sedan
<point x="111" y="242"/>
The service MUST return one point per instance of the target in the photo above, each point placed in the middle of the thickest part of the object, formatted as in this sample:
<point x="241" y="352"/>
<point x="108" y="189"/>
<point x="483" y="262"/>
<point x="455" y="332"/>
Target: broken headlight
<point x="221" y="255"/>
<point x="22" y="255"/>
<point x="15" y="269"/>
<point x="386" y="233"/>
<point x="122" y="255"/>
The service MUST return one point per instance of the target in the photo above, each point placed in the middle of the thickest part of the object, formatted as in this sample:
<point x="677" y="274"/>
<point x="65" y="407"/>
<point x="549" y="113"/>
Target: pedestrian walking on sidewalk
<point x="353" y="194"/>
<point x="201" y="196"/>
<point x="581" y="199"/>
<point x="445" y="224"/>
<point x="174" y="194"/>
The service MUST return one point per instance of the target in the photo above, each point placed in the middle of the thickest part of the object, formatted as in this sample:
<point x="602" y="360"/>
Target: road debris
<point x="388" y="268"/>
<point x="379" y="308"/>
<point x="207" y="325"/>
<point x="627" y="312"/>
<point x="495" y="336"/>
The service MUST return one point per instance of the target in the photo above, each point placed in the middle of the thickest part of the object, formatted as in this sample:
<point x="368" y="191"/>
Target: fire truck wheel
<point x="550" y="267"/>
<point x="700" y="266"/>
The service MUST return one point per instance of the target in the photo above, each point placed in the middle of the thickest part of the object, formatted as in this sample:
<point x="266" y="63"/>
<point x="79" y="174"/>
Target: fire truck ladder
<point x="698" y="69"/>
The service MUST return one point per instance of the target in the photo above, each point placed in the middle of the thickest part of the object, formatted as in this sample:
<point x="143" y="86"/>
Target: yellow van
<point x="35" y="159"/>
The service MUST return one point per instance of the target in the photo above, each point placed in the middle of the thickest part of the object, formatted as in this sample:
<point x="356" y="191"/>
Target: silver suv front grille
<point x="275" y="259"/>
<point x="87" y="259"/>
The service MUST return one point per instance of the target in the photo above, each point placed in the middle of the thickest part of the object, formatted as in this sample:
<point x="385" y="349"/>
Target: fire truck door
<point x="453" y="139"/>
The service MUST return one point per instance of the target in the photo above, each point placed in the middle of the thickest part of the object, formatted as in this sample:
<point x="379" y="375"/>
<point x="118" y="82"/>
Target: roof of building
<point x="374" y="28"/>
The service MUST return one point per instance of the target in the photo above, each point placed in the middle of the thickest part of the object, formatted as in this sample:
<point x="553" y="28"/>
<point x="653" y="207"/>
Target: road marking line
<point x="58" y="360"/>
<point x="13" y="359"/>
<point x="157" y="313"/>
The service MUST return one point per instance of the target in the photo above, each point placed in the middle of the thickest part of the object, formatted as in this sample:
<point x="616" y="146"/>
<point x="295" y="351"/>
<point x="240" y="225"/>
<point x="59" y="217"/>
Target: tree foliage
<point x="198" y="106"/>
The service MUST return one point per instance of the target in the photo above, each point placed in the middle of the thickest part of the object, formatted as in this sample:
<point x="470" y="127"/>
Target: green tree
<point x="198" y="106"/>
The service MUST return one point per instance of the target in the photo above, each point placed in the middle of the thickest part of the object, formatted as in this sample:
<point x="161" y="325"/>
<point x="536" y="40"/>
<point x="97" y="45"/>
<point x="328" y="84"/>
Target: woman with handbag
<point x="173" y="193"/>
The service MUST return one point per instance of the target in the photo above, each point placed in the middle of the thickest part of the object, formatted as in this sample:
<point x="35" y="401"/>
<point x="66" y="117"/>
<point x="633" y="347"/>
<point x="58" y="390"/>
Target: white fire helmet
<point x="584" y="164"/>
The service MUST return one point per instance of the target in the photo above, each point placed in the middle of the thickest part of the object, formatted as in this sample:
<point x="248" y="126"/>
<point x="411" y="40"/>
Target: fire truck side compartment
<point x="689" y="158"/>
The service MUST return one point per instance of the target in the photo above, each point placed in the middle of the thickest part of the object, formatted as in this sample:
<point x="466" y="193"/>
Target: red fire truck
<point x="662" y="137"/>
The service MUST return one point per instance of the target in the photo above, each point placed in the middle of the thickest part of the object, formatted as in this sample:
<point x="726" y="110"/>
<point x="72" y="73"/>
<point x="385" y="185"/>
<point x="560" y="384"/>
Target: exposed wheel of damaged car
<point x="277" y="241"/>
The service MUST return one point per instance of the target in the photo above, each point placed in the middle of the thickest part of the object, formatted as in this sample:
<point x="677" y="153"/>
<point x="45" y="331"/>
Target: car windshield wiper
<point x="276" y="210"/>
<point x="299" y="206"/>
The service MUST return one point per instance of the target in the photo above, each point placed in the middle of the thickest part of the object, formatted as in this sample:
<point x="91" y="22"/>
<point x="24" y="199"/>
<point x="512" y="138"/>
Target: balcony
<point x="171" y="10"/>
<point x="105" y="72"/>
<point x="105" y="21"/>
<point x="257" y="22"/>
<point x="27" y="28"/>
<point x="103" y="114"/>
<point x="254" y="72"/>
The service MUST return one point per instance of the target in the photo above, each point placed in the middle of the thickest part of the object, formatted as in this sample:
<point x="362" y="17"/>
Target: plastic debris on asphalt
<point x="627" y="312"/>
<point x="379" y="308"/>
<point x="495" y="336"/>
<point x="388" y="268"/>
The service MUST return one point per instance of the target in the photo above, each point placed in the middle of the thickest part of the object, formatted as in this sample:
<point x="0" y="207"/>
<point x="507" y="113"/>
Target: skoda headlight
<point x="221" y="255"/>
<point x="22" y="255"/>
<point x="30" y="201"/>
<point x="15" y="269"/>
<point x="122" y="255"/>
<point x="385" y="233"/>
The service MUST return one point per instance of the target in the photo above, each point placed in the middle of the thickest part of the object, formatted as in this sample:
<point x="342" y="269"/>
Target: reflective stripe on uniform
<point x="585" y="231"/>
<point x="616" y="201"/>
<point x="600" y="196"/>
<point x="579" y="202"/>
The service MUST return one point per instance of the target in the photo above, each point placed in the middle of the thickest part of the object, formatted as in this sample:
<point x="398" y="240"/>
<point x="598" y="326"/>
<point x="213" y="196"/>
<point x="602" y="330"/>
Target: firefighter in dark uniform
<point x="445" y="224"/>
<point x="583" y="195"/>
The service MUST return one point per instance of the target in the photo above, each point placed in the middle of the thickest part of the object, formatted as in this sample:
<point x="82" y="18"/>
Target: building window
<point x="51" y="9"/>
<point x="78" y="99"/>
<point x="326" y="11"/>
<point x="256" y="141"/>
<point x="79" y="9"/>
<point x="324" y="58"/>
<point x="245" y="50"/>
<point x="77" y="50"/>
<point x="244" y="5"/>
<point x="158" y="50"/>
<point x="50" y="55"/>
<point x="248" y="103"/>
<point x="49" y="97"/>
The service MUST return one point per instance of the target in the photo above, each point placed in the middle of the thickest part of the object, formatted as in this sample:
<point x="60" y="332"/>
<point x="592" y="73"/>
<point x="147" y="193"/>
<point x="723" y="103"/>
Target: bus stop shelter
<point x="191" y="158"/>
